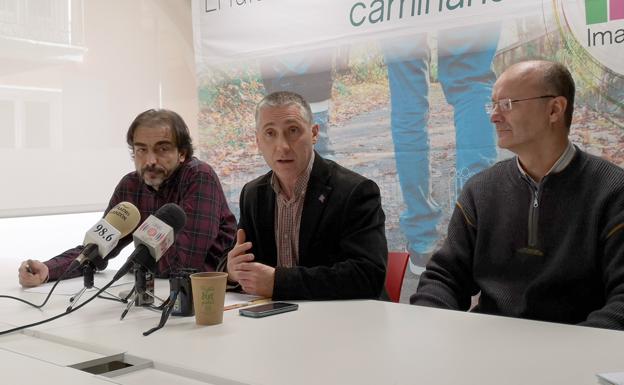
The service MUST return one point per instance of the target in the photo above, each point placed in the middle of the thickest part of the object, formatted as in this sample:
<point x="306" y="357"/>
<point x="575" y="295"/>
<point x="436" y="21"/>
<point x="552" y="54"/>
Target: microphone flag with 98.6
<point x="102" y="238"/>
<point x="154" y="237"/>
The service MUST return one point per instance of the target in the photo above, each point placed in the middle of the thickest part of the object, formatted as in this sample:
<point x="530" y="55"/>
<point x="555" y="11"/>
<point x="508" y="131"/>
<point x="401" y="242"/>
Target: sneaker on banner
<point x="418" y="262"/>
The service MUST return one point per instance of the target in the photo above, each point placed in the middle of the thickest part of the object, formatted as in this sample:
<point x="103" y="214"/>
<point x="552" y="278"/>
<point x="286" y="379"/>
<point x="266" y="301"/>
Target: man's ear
<point x="315" y="133"/>
<point x="182" y="156"/>
<point x="557" y="109"/>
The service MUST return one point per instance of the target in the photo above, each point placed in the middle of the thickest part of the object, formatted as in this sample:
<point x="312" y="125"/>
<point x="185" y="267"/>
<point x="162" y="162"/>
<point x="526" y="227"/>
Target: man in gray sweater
<point x="541" y="235"/>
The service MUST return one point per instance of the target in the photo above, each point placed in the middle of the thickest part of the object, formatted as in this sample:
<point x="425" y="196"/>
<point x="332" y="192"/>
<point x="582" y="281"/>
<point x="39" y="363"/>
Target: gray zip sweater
<point x="566" y="265"/>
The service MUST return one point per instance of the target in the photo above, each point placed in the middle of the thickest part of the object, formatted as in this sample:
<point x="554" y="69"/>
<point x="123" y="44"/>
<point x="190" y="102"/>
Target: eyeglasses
<point x="505" y="104"/>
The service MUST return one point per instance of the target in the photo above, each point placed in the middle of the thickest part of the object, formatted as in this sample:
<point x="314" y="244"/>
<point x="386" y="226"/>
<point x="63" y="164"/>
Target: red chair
<point x="395" y="271"/>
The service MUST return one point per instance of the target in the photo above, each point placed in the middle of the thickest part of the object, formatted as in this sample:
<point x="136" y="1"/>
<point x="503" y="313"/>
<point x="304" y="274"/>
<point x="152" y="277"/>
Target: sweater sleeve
<point x="447" y="282"/>
<point x="611" y="315"/>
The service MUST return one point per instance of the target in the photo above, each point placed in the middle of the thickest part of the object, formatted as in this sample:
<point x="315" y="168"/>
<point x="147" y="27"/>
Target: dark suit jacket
<point x="342" y="241"/>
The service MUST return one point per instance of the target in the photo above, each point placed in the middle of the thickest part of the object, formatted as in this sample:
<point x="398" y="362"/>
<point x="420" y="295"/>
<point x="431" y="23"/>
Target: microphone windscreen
<point x="125" y="217"/>
<point x="173" y="215"/>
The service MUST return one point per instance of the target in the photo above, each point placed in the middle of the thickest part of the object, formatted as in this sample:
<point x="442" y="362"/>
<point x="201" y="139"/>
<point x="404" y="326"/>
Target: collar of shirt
<point x="560" y="165"/>
<point x="300" y="185"/>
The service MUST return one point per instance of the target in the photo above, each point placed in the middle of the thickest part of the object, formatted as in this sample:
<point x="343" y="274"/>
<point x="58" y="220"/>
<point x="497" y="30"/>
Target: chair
<point x="395" y="271"/>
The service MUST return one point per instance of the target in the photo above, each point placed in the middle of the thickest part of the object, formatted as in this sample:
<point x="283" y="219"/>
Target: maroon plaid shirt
<point x="209" y="228"/>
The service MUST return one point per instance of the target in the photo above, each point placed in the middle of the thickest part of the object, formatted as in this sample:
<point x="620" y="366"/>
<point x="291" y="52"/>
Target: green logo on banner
<point x="601" y="11"/>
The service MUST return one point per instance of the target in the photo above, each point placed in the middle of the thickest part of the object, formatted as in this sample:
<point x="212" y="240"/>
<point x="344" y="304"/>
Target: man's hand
<point x="256" y="278"/>
<point x="32" y="273"/>
<point x="238" y="256"/>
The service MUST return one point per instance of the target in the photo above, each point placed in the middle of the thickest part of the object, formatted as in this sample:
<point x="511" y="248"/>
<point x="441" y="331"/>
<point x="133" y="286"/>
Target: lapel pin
<point x="321" y="198"/>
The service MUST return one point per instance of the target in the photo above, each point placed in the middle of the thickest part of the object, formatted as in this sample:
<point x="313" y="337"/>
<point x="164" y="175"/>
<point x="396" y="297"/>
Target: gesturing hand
<point x="238" y="256"/>
<point x="257" y="278"/>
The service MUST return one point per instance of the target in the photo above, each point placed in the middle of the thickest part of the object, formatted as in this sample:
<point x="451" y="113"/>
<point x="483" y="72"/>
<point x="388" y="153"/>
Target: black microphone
<point x="154" y="237"/>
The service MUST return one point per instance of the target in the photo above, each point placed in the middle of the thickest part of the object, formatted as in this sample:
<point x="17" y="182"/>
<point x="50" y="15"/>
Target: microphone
<point x="154" y="237"/>
<point x="104" y="236"/>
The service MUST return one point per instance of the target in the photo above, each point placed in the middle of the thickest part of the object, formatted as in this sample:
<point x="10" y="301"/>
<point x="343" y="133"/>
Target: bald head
<point x="545" y="77"/>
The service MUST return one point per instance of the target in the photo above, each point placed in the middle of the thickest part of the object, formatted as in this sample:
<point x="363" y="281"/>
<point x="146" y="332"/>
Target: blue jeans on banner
<point x="464" y="70"/>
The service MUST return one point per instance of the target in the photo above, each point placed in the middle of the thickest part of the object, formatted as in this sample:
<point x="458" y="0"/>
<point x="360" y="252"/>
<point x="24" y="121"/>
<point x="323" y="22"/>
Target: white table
<point x="340" y="342"/>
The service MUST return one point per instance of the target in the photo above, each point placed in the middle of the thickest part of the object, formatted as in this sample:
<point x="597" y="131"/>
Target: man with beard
<point x="166" y="172"/>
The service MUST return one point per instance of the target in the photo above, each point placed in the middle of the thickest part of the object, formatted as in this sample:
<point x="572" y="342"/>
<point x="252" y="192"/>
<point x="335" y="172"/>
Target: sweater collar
<point x="560" y="165"/>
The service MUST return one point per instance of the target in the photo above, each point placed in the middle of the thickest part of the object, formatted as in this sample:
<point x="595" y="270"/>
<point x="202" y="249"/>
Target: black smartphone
<point x="268" y="309"/>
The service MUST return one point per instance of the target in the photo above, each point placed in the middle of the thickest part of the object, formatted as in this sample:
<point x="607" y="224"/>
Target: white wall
<point x="43" y="237"/>
<point x="73" y="75"/>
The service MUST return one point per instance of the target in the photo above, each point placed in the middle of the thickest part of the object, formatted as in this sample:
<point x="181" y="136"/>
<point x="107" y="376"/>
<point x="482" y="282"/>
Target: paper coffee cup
<point x="208" y="297"/>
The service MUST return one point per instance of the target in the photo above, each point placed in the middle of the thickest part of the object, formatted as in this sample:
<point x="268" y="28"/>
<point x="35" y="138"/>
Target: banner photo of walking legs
<point x="398" y="88"/>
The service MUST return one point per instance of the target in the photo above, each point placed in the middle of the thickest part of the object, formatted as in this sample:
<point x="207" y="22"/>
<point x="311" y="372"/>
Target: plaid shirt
<point x="209" y="228"/>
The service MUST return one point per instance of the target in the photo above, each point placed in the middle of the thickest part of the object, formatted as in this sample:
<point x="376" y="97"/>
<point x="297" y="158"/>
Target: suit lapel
<point x="265" y="218"/>
<point x="316" y="200"/>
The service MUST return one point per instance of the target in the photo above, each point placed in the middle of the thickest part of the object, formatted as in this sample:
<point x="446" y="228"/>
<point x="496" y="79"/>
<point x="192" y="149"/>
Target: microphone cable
<point x="58" y="280"/>
<point x="65" y="273"/>
<point x="62" y="314"/>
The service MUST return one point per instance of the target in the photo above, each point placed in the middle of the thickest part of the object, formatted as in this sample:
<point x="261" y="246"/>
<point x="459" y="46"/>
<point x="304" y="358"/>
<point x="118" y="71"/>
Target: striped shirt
<point x="288" y="218"/>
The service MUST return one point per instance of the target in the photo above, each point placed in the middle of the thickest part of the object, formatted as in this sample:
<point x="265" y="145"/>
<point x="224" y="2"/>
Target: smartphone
<point x="268" y="309"/>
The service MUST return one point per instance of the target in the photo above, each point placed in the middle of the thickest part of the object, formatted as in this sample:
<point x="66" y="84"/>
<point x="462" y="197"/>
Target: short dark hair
<point x="559" y="81"/>
<point x="283" y="99"/>
<point x="164" y="118"/>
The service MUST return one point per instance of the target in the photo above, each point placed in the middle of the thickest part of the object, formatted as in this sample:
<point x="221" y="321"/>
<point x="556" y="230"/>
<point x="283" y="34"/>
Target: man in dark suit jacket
<point x="310" y="228"/>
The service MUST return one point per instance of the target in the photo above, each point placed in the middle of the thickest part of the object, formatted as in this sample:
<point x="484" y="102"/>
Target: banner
<point x="398" y="88"/>
<point x="231" y="30"/>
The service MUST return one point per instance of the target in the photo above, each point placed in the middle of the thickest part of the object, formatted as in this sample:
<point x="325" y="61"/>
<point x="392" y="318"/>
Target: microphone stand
<point x="141" y="295"/>
<point x="180" y="299"/>
<point x="88" y="271"/>
<point x="167" y="307"/>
